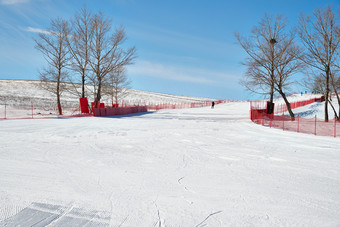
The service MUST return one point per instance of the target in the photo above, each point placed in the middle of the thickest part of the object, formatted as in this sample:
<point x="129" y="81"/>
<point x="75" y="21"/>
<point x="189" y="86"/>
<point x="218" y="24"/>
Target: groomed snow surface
<point x="187" y="167"/>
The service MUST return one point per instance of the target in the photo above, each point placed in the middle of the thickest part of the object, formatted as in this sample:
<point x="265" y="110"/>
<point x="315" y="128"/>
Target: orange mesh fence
<point x="281" y="108"/>
<point x="316" y="126"/>
<point x="37" y="111"/>
<point x="313" y="126"/>
<point x="160" y="106"/>
<point x="34" y="112"/>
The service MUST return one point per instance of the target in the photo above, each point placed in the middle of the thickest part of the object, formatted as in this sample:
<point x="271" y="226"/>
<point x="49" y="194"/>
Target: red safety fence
<point x="181" y="105"/>
<point x="34" y="111"/>
<point x="281" y="108"/>
<point x="115" y="110"/>
<point x="316" y="126"/>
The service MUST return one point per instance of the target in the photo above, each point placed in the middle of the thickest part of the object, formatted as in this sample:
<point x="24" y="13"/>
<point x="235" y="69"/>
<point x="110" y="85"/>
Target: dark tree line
<point x="86" y="49"/>
<point x="277" y="52"/>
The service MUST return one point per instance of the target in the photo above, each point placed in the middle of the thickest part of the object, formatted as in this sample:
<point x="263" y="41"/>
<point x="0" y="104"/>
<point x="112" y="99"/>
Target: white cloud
<point x="38" y="30"/>
<point x="12" y="2"/>
<point x="184" y="74"/>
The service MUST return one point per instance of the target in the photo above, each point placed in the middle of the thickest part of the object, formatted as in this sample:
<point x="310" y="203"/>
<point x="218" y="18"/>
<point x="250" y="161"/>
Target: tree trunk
<point x="337" y="97"/>
<point x="271" y="95"/>
<point x="83" y="84"/>
<point x="98" y="93"/>
<point x="58" y="92"/>
<point x="116" y="94"/>
<point x="335" y="114"/>
<point x="270" y="109"/>
<point x="327" y="93"/>
<point x="288" y="104"/>
<point x="59" y="105"/>
<point x="58" y="98"/>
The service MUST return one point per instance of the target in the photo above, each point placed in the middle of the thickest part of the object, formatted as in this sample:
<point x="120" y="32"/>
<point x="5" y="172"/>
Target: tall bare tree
<point x="273" y="57"/>
<point x="260" y="74"/>
<point x="53" y="45"/>
<point x="318" y="35"/>
<point x="288" y="64"/>
<point x="107" y="53"/>
<point x="80" y="44"/>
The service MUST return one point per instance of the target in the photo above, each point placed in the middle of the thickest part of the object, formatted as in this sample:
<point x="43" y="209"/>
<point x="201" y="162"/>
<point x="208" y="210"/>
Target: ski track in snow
<point x="189" y="167"/>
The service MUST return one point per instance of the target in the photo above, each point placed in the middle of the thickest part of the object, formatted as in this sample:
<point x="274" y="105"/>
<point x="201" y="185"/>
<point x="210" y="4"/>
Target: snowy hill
<point x="25" y="92"/>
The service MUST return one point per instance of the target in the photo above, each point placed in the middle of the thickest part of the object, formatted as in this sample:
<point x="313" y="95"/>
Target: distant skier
<point x="212" y="105"/>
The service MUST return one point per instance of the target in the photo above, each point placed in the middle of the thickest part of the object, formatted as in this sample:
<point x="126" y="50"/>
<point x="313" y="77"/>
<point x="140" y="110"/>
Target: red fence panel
<point x="84" y="105"/>
<point x="114" y="111"/>
<point x="32" y="111"/>
<point x="313" y="126"/>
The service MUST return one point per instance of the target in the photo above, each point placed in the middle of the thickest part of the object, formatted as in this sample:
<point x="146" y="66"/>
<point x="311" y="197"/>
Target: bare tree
<point x="260" y="74"/>
<point x="107" y="53"/>
<point x="335" y="75"/>
<point x="318" y="35"/>
<point x="53" y="45"/>
<point x="288" y="64"/>
<point x="273" y="57"/>
<point x="119" y="85"/>
<point x="315" y="83"/>
<point x="80" y="45"/>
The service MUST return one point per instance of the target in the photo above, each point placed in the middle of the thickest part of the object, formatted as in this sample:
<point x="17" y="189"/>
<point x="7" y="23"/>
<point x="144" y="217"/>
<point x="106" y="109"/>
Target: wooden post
<point x="315" y="126"/>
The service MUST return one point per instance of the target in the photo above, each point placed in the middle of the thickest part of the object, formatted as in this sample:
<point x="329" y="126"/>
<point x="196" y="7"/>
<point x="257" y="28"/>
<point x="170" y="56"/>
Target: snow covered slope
<point x="188" y="167"/>
<point x="24" y="92"/>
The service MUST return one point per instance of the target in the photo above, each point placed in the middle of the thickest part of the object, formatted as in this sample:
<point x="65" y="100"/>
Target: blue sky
<point x="184" y="47"/>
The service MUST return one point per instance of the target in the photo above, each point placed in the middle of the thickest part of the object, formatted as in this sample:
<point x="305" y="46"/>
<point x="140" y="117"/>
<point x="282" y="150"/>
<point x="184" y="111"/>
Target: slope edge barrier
<point x="45" y="112"/>
<point x="316" y="126"/>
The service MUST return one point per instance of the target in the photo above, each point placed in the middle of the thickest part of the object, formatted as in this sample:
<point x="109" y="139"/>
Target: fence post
<point x="315" y="126"/>
<point x="283" y="122"/>
<point x="32" y="110"/>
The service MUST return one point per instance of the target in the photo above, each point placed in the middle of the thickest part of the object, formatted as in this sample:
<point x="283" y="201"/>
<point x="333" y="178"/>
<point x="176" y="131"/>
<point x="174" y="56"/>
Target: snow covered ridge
<point x="27" y="92"/>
